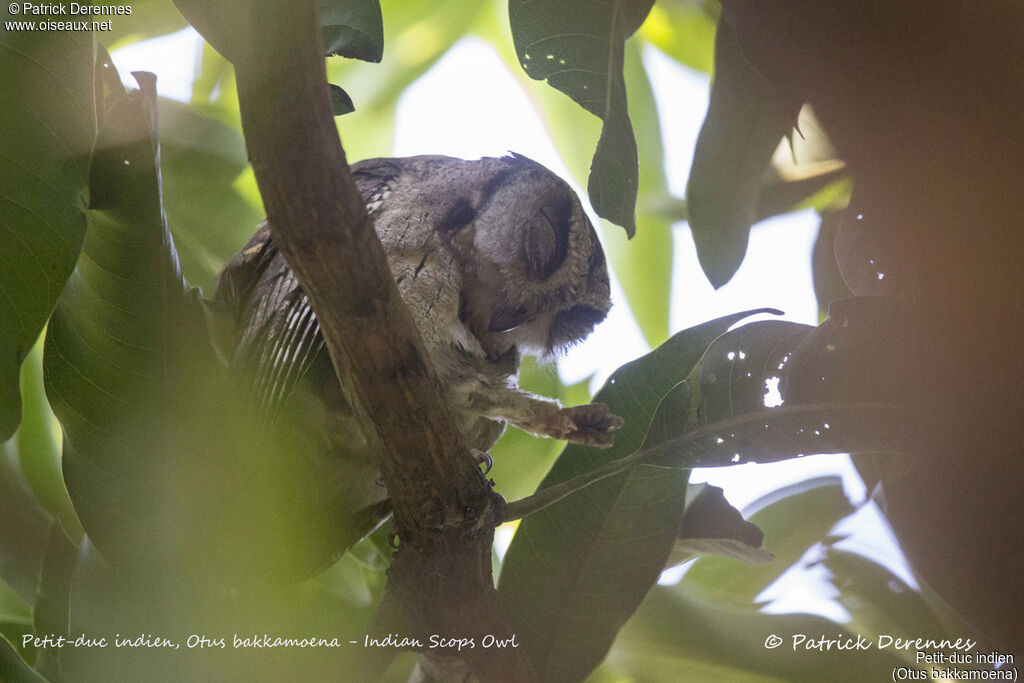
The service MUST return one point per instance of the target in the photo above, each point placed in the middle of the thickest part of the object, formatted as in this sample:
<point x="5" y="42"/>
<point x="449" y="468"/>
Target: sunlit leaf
<point x="746" y="119"/>
<point x="577" y="47"/>
<point x="48" y="121"/>
<point x="576" y="570"/>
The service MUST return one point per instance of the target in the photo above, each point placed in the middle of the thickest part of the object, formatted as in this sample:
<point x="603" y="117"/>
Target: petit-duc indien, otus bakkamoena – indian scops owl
<point x="494" y="258"/>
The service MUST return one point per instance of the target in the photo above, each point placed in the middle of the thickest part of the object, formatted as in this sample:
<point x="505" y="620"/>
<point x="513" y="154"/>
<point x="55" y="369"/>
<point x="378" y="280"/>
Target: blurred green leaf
<point x="352" y="28"/>
<point x="879" y="601"/>
<point x="13" y="668"/>
<point x="683" y="30"/>
<point x="745" y="122"/>
<point x="48" y="121"/>
<point x="681" y="635"/>
<point x="38" y="440"/>
<point x="148" y="19"/>
<point x="12" y="607"/>
<point x="51" y="614"/>
<point x="201" y="158"/>
<point x="169" y="466"/>
<point x="111" y="341"/>
<point x="576" y="570"/>
<point x="23" y="528"/>
<point x="15" y="623"/>
<point x="578" y="48"/>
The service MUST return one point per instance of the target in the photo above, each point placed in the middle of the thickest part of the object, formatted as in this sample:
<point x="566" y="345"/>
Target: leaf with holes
<point x="775" y="390"/>
<point x="578" y="48"/>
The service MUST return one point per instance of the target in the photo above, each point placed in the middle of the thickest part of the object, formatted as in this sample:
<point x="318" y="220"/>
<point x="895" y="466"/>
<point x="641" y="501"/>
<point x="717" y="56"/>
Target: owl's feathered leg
<point x="590" y="424"/>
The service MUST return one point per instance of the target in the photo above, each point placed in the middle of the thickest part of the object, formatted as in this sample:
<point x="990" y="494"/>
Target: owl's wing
<point x="278" y="336"/>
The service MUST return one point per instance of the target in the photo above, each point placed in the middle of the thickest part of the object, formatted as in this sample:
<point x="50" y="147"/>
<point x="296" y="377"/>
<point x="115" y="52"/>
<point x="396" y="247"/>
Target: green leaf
<point x="834" y="395"/>
<point x="201" y="159"/>
<point x="38" y="440"/>
<point x="681" y="635"/>
<point x="149" y="19"/>
<point x="48" y="121"/>
<point x="12" y="608"/>
<point x="352" y="28"/>
<point x="111" y="346"/>
<point x="745" y="122"/>
<point x="578" y="48"/>
<point x="879" y="601"/>
<point x="575" y="571"/>
<point x="169" y="466"/>
<point x="23" y="529"/>
<point x="341" y="102"/>
<point x="52" y="606"/>
<point x="711" y="526"/>
<point x="643" y="264"/>
<point x="798" y="517"/>
<point x="684" y="31"/>
<point x="13" y="668"/>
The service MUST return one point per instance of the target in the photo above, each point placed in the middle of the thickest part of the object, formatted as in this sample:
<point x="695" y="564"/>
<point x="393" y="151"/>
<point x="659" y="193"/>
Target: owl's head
<point x="532" y="269"/>
<point x="537" y="277"/>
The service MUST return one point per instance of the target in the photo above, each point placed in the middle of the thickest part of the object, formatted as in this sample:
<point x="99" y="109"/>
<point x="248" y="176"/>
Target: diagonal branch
<point x="444" y="508"/>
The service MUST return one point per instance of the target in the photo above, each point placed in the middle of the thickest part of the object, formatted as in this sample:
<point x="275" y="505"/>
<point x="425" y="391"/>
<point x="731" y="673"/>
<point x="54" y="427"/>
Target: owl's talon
<point x="482" y="458"/>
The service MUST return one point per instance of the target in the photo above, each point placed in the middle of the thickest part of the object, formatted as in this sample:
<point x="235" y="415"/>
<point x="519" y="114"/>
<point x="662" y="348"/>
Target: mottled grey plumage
<point x="493" y="258"/>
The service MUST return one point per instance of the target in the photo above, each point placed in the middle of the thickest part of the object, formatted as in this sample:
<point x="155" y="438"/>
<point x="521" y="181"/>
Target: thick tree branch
<point x="444" y="508"/>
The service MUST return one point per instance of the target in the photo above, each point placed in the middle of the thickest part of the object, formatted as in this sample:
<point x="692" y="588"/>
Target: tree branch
<point x="444" y="508"/>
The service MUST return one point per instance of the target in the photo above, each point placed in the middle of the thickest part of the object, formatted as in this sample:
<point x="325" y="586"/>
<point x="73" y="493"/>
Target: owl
<point x="494" y="258"/>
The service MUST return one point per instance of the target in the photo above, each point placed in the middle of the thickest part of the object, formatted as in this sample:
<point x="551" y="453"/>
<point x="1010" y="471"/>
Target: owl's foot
<point x="589" y="425"/>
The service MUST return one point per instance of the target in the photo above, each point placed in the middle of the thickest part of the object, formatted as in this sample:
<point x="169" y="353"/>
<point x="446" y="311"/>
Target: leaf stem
<point x="551" y="495"/>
